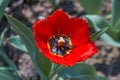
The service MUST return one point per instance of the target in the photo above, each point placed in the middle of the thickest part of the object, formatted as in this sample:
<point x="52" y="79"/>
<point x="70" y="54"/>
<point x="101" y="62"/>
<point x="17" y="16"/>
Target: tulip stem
<point x="54" y="70"/>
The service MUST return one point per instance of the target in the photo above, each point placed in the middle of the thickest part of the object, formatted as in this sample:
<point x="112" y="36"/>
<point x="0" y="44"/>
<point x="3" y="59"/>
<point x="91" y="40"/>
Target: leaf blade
<point x="78" y="71"/>
<point x="111" y="37"/>
<point x="27" y="37"/>
<point x="100" y="78"/>
<point x="115" y="14"/>
<point x="7" y="74"/>
<point x="16" y="42"/>
<point x="98" y="34"/>
<point x="3" y="4"/>
<point x="91" y="6"/>
<point x="3" y="54"/>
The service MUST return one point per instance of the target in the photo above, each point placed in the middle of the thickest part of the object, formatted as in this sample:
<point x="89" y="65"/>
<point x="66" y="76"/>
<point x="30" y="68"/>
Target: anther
<point x="59" y="45"/>
<point x="61" y="42"/>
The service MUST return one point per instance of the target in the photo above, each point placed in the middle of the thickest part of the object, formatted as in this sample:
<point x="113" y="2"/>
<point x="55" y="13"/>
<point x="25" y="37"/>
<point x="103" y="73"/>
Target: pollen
<point x="59" y="45"/>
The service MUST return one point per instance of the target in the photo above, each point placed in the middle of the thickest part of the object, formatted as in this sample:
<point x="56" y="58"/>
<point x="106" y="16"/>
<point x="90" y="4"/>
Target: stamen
<point x="59" y="45"/>
<point x="60" y="42"/>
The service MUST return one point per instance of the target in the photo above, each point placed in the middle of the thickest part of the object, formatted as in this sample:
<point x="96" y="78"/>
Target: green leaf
<point x="98" y="34"/>
<point x="42" y="64"/>
<point x="100" y="78"/>
<point x="3" y="55"/>
<point x="87" y="77"/>
<point x="3" y="4"/>
<point x="59" y="78"/>
<point x="108" y="16"/>
<point x="17" y="42"/>
<point x="24" y="33"/>
<point x="116" y="14"/>
<point x="55" y="68"/>
<point x="78" y="71"/>
<point x="7" y="74"/>
<point x="2" y="35"/>
<point x="111" y="36"/>
<point x="5" y="58"/>
<point x="97" y="22"/>
<point x="109" y="40"/>
<point x="91" y="6"/>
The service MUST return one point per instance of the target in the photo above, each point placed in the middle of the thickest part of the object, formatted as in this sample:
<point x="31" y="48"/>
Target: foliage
<point x="3" y="4"/>
<point x="91" y="6"/>
<point x="27" y="37"/>
<point x="81" y="71"/>
<point x="7" y="74"/>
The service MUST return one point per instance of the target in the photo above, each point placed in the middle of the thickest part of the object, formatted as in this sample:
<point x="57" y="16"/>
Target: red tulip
<point x="63" y="40"/>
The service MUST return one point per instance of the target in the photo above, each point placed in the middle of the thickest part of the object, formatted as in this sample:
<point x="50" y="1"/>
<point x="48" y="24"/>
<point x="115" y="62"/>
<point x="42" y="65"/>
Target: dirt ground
<point x="106" y="61"/>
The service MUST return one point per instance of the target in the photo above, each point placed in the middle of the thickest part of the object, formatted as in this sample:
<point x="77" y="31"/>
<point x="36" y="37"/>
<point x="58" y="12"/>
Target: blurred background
<point x="106" y="61"/>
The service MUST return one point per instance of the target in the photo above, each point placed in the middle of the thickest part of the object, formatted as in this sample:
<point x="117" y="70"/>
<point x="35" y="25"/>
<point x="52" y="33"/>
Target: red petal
<point x="57" y="20"/>
<point x="73" y="24"/>
<point x="41" y="31"/>
<point x="76" y="28"/>
<point x="78" y="31"/>
<point x="77" y="54"/>
<point x="87" y="51"/>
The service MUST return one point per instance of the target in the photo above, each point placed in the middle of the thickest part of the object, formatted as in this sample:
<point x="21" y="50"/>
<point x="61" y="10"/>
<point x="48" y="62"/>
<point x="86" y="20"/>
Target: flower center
<point x="59" y="45"/>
